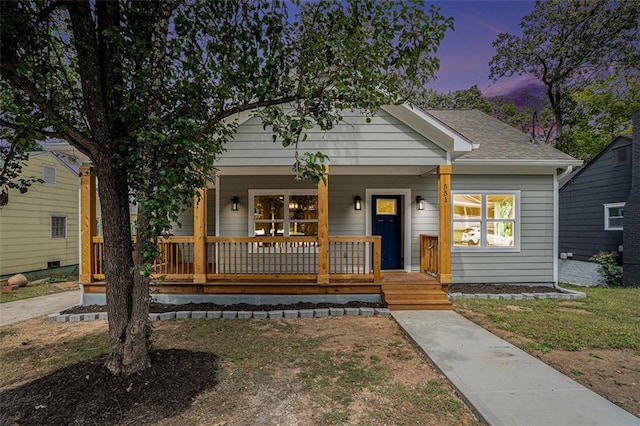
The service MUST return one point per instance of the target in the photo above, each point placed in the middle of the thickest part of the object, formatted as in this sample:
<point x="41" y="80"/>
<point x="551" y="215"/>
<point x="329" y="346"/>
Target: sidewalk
<point x="504" y="384"/>
<point x="21" y="310"/>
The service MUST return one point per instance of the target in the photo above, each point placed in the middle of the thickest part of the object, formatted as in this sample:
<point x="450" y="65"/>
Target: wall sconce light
<point x="419" y="202"/>
<point x="357" y="202"/>
<point x="234" y="203"/>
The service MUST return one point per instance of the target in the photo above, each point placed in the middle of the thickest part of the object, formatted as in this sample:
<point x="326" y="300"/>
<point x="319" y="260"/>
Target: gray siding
<point x="581" y="205"/>
<point x="534" y="262"/>
<point x="383" y="141"/>
<point x="186" y="218"/>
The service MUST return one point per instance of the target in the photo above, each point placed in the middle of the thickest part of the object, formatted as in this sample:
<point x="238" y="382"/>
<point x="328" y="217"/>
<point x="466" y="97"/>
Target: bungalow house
<point x="413" y="201"/>
<point x="39" y="230"/>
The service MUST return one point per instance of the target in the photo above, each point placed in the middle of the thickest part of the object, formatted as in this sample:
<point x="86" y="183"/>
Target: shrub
<point x="608" y="268"/>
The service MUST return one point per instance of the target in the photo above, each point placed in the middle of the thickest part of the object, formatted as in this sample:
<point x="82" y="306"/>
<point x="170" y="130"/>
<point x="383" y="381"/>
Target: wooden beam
<point x="377" y="258"/>
<point x="444" y="207"/>
<point x="200" y="237"/>
<point x="323" y="229"/>
<point x="87" y="222"/>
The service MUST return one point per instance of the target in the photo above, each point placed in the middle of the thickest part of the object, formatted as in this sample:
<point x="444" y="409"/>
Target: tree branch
<point x="241" y="108"/>
<point x="72" y="134"/>
<point x="53" y="134"/>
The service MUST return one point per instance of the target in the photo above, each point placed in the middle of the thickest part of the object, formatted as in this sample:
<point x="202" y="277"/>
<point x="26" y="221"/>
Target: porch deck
<point x="400" y="290"/>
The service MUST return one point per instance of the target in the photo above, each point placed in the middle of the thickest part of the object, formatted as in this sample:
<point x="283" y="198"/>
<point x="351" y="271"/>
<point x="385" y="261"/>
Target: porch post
<point x="200" y="237"/>
<point x="323" y="229"/>
<point x="87" y="222"/>
<point x="444" y="207"/>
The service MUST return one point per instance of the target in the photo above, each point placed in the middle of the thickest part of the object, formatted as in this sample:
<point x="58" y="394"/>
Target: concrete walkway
<point x="504" y="384"/>
<point x="20" y="310"/>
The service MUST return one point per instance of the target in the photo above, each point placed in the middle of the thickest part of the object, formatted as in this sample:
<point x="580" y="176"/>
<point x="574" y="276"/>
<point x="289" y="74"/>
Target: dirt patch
<point x="87" y="393"/>
<point x="347" y="370"/>
<point x="500" y="289"/>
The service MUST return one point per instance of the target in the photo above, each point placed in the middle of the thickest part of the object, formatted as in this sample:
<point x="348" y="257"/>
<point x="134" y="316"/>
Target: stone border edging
<point x="284" y="314"/>
<point x="568" y="295"/>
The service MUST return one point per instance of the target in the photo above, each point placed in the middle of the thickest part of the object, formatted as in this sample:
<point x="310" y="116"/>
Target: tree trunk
<point x="127" y="301"/>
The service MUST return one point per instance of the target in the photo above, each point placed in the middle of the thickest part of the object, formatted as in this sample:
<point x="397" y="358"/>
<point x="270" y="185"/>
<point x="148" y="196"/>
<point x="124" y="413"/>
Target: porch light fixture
<point x="234" y="203"/>
<point x="357" y="202"/>
<point x="419" y="202"/>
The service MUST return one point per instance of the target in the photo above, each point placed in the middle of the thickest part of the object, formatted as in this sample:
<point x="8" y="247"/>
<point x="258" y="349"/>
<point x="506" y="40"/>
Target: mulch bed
<point x="162" y="307"/>
<point x="500" y="289"/>
<point x="88" y="393"/>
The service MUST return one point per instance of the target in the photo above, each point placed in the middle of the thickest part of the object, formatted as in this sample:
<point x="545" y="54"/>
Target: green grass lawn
<point x="608" y="318"/>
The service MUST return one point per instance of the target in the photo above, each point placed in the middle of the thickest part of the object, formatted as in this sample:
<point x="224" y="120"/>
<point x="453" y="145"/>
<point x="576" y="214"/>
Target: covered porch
<point x="320" y="264"/>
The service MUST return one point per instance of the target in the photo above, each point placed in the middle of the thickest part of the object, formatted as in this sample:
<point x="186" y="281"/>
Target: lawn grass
<point x="41" y="289"/>
<point x="608" y="318"/>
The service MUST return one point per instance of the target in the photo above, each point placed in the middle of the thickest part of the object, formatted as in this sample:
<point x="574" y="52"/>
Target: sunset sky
<point x="465" y="52"/>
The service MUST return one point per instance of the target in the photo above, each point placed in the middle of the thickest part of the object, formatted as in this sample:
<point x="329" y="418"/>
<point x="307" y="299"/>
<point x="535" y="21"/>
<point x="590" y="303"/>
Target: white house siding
<point x="384" y="141"/>
<point x="25" y="223"/>
<point x="534" y="262"/>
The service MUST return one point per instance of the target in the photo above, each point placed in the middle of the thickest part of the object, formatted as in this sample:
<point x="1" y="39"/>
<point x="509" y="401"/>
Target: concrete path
<point x="20" y="310"/>
<point x="504" y="384"/>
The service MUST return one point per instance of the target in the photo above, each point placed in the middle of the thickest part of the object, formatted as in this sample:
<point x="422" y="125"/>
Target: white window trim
<point x="66" y="225"/>
<point x="483" y="223"/>
<point x="607" y="217"/>
<point x="55" y="174"/>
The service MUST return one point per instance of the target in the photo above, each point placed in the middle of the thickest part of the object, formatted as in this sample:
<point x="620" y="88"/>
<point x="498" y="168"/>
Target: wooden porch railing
<point x="175" y="261"/>
<point x="429" y="254"/>
<point x="268" y="258"/>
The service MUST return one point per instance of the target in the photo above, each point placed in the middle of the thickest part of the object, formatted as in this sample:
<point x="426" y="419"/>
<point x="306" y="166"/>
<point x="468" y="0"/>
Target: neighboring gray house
<point x="593" y="202"/>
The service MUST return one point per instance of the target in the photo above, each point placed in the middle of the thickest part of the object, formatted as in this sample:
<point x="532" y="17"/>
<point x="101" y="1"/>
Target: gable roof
<point x="620" y="140"/>
<point x="499" y="143"/>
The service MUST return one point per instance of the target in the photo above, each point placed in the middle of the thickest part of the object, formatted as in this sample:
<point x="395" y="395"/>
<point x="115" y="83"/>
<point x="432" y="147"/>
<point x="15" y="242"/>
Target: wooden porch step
<point x="415" y="296"/>
<point x="420" y="306"/>
<point x="411" y="287"/>
<point x="420" y="295"/>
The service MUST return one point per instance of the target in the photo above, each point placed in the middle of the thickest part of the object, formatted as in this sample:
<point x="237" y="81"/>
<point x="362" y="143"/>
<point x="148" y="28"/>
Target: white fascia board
<point x="431" y="128"/>
<point x="66" y="149"/>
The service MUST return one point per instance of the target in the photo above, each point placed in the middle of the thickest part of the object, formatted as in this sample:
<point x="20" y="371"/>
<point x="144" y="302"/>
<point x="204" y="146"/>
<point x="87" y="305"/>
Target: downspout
<point x="556" y="220"/>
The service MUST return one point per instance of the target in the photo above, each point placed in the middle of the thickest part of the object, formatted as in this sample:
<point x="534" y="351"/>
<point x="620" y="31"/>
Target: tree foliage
<point x="602" y="111"/>
<point x="567" y="44"/>
<point x="150" y="92"/>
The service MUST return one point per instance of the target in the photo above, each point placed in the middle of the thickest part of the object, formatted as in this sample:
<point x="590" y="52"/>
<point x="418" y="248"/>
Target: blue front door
<point x="386" y="222"/>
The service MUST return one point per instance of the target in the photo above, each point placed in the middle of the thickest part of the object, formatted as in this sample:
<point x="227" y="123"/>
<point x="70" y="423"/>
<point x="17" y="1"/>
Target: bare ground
<point x="347" y="370"/>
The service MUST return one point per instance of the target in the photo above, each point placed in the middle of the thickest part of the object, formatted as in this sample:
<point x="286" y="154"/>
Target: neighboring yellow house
<point x="40" y="228"/>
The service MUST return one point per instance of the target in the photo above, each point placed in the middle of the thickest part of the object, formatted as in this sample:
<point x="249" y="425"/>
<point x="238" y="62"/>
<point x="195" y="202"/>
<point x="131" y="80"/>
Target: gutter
<point x="512" y="162"/>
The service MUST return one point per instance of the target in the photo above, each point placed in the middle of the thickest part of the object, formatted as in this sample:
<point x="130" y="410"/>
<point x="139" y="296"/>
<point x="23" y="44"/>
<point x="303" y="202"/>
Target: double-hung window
<point x="283" y="213"/>
<point x="613" y="216"/>
<point x="58" y="227"/>
<point x="486" y="220"/>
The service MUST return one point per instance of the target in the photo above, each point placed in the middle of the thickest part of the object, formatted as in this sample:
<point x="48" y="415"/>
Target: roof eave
<point x="431" y="128"/>
<point x="512" y="162"/>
